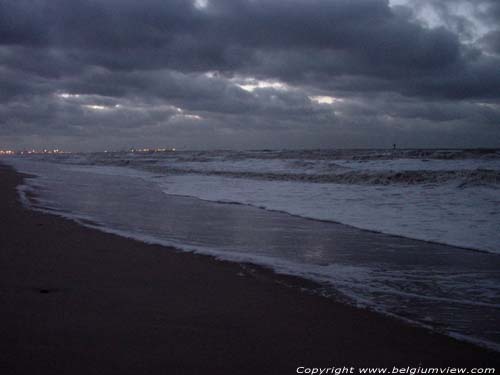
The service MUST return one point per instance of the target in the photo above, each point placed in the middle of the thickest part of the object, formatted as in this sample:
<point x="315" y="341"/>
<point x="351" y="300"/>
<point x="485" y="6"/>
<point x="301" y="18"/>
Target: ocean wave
<point x="463" y="178"/>
<point x="464" y="168"/>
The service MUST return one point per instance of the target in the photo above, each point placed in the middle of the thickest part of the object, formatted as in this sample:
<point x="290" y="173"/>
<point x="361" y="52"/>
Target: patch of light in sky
<point x="95" y="103"/>
<point x="67" y="95"/>
<point x="97" y="107"/>
<point x="322" y="99"/>
<point x="252" y="84"/>
<point x="187" y="117"/>
<point x="429" y="15"/>
<point x="200" y="4"/>
<point x="211" y="74"/>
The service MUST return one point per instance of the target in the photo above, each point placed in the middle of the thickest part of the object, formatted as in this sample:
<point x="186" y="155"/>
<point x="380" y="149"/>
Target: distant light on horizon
<point x="33" y="151"/>
<point x="149" y="150"/>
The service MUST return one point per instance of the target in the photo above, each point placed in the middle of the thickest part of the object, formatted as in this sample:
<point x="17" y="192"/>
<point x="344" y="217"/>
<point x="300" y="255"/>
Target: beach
<point x="80" y="301"/>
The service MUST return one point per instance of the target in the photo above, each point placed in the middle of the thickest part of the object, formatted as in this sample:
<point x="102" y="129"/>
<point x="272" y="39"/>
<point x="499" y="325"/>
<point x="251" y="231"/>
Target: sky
<point x="90" y="75"/>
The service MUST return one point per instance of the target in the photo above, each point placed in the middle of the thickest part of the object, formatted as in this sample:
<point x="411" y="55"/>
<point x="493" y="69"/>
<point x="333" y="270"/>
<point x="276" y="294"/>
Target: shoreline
<point x="262" y="270"/>
<point x="80" y="300"/>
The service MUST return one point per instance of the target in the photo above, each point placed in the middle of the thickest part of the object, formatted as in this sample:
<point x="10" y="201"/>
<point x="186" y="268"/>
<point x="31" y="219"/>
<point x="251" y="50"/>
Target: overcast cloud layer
<point x="111" y="74"/>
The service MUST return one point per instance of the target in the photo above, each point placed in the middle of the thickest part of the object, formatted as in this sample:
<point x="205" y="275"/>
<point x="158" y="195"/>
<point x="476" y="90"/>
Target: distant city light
<point x="23" y="152"/>
<point x="138" y="150"/>
<point x="58" y="151"/>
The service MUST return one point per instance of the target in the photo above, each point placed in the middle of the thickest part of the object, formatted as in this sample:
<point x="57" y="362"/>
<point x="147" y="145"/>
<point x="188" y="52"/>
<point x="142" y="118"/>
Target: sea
<point x="410" y="233"/>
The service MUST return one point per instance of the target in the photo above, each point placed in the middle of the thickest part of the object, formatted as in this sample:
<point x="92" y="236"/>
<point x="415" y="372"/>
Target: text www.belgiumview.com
<point x="394" y="370"/>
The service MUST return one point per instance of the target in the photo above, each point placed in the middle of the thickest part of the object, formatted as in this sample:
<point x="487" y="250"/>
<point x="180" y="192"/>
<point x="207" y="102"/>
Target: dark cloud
<point x="247" y="72"/>
<point x="491" y="42"/>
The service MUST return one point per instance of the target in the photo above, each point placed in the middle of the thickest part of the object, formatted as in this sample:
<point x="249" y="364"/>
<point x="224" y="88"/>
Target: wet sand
<point x="78" y="301"/>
